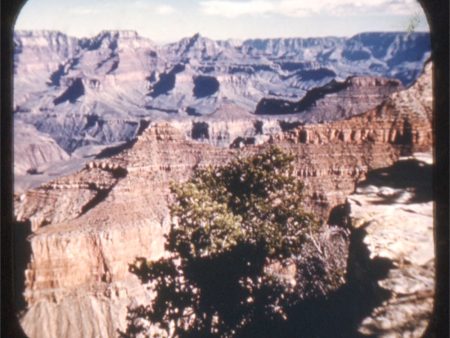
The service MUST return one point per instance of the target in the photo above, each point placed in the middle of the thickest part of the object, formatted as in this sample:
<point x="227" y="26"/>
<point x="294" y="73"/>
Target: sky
<point x="170" y="20"/>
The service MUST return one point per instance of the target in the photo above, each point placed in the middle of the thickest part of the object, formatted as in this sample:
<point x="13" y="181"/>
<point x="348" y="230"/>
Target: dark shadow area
<point x="337" y="314"/>
<point x="340" y="313"/>
<point x="55" y="77"/>
<point x="240" y="142"/>
<point x="92" y="120"/>
<point x="75" y="90"/>
<point x="288" y="125"/>
<point x="293" y="66"/>
<point x="33" y="171"/>
<point x="412" y="175"/>
<point x="192" y="111"/>
<point x="200" y="130"/>
<point x="339" y="216"/>
<point x="102" y="194"/>
<point x="164" y="110"/>
<point x="99" y="40"/>
<point x="22" y="257"/>
<point x="112" y="151"/>
<point x="205" y="86"/>
<point x="98" y="198"/>
<point x="316" y="74"/>
<point x="278" y="107"/>
<point x="166" y="81"/>
<point x="258" y="127"/>
<point x="114" y="66"/>
<point x="115" y="150"/>
<point x="165" y="84"/>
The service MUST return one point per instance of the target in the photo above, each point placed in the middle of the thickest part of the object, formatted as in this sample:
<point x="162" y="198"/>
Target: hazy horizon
<point x="223" y="19"/>
<point x="207" y="37"/>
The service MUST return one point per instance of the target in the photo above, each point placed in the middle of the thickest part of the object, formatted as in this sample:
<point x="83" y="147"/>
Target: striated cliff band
<point x="77" y="96"/>
<point x="84" y="229"/>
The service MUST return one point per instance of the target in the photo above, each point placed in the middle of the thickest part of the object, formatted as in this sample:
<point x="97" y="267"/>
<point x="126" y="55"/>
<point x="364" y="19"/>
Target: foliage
<point x="231" y="226"/>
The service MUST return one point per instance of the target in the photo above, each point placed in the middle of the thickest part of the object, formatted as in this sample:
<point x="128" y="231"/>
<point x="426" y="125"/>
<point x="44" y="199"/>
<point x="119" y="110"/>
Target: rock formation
<point x="39" y="150"/>
<point x="335" y="100"/>
<point x="87" y="227"/>
<point x="395" y="209"/>
<point x="96" y="91"/>
<point x="404" y="119"/>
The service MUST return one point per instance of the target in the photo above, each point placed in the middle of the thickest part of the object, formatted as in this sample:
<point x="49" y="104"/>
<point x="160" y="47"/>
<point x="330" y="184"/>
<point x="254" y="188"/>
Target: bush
<point x="233" y="229"/>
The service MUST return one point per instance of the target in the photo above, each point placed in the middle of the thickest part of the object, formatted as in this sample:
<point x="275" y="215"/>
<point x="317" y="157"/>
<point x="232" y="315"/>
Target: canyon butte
<point x="104" y="125"/>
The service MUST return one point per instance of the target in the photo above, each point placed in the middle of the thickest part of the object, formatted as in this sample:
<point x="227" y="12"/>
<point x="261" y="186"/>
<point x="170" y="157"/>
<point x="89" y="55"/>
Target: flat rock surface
<point x="399" y="228"/>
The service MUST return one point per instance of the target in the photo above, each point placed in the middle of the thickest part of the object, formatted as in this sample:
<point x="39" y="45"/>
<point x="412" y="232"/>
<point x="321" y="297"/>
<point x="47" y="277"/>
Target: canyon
<point x="80" y="95"/>
<point x="85" y="228"/>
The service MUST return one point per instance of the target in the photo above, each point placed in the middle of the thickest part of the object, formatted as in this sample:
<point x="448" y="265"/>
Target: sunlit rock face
<point x="403" y="119"/>
<point x="87" y="227"/>
<point x="394" y="207"/>
<point x="233" y="125"/>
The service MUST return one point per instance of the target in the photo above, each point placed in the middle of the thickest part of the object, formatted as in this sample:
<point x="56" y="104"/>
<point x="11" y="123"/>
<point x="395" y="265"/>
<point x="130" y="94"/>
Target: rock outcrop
<point x="87" y="227"/>
<point x="99" y="222"/>
<point x="395" y="209"/>
<point x="403" y="119"/>
<point x="335" y="100"/>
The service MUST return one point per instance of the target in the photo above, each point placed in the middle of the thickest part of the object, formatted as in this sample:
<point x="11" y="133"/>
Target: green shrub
<point x="230" y="225"/>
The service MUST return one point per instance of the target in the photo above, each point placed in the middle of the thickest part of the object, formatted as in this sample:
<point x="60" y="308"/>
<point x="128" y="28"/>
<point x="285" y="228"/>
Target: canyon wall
<point x="404" y="119"/>
<point x="96" y="91"/>
<point x="87" y="227"/>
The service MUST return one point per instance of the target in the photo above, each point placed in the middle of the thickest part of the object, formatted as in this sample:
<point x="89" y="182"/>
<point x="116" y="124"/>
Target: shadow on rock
<point x="340" y="313"/>
<point x="22" y="257"/>
<point x="411" y="175"/>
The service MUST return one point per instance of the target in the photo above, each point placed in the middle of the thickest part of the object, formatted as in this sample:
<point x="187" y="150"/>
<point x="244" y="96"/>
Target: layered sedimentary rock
<point x="80" y="260"/>
<point x="39" y="149"/>
<point x="403" y="119"/>
<point x="87" y="227"/>
<point x="335" y="100"/>
<point x="96" y="90"/>
<point x="99" y="91"/>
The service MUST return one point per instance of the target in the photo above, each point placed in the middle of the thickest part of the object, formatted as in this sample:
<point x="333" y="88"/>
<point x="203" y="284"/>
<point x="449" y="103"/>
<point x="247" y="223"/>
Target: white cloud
<point x="82" y="10"/>
<point x="164" y="9"/>
<point x="160" y="9"/>
<point x="301" y="8"/>
<point x="234" y="9"/>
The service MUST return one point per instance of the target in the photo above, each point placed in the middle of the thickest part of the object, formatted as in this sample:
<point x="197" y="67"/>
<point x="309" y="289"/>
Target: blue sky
<point x="170" y="20"/>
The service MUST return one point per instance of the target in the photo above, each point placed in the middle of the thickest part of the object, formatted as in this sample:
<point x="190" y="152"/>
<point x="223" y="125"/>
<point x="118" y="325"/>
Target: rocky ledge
<point x="395" y="210"/>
